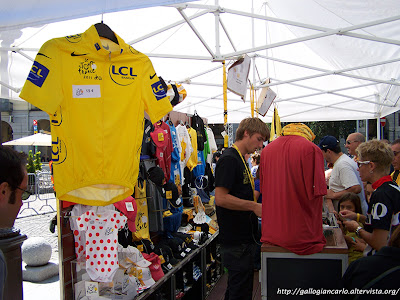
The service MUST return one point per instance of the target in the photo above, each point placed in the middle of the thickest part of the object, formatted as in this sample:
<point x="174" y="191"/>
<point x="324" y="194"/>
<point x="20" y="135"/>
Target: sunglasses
<point x="25" y="194"/>
<point x="349" y="142"/>
<point x="360" y="162"/>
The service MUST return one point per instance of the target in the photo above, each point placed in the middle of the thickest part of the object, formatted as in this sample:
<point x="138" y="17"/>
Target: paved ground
<point x="33" y="225"/>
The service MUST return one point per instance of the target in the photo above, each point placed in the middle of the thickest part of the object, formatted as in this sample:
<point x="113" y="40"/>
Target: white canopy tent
<point x="327" y="60"/>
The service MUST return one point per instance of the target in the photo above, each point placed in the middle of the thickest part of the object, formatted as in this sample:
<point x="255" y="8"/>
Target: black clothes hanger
<point x="104" y="31"/>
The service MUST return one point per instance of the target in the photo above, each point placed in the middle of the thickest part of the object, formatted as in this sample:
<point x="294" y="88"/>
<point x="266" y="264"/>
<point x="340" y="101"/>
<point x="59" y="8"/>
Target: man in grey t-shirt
<point x="344" y="177"/>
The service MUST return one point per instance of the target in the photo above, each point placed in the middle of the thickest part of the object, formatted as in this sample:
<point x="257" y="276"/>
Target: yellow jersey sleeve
<point x="43" y="86"/>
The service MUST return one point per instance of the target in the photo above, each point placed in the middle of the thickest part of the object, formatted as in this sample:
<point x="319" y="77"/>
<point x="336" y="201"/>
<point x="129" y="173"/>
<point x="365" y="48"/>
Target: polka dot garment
<point x="79" y="236"/>
<point x="101" y="243"/>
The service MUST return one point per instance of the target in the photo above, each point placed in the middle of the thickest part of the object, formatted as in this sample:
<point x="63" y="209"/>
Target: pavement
<point x="37" y="225"/>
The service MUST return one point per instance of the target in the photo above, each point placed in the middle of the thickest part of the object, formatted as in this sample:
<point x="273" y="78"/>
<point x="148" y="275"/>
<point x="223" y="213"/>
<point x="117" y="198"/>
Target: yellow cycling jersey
<point x="192" y="162"/>
<point x="96" y="93"/>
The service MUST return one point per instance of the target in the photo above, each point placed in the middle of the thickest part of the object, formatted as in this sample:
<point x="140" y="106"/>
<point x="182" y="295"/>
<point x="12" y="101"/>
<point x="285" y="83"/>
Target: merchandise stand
<point x="285" y="270"/>
<point x="170" y="284"/>
<point x="172" y="281"/>
<point x="206" y="257"/>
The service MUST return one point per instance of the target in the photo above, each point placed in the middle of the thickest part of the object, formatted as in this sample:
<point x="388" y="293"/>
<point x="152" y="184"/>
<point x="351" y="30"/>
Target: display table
<point x="283" y="271"/>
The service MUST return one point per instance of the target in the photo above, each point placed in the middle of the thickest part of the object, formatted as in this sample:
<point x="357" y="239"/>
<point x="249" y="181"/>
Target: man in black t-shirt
<point x="236" y="209"/>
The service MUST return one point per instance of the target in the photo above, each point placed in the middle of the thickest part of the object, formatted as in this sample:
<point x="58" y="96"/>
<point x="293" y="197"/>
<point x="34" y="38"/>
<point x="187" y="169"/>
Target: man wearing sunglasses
<point x="13" y="185"/>
<point x="352" y="142"/>
<point x="344" y="177"/>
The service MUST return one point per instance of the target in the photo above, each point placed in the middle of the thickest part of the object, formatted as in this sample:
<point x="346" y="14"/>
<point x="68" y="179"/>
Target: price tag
<point x="162" y="259"/>
<point x="188" y="250"/>
<point x="183" y="254"/>
<point x="160" y="137"/>
<point x="91" y="288"/>
<point x="86" y="91"/>
<point x="169" y="266"/>
<point x="129" y="206"/>
<point x="140" y="247"/>
<point x="168" y="194"/>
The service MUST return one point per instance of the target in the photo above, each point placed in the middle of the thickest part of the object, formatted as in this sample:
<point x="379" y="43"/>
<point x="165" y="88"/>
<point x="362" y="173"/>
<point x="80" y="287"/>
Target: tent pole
<point x="366" y="130"/>
<point x="252" y="100"/>
<point x="254" y="61"/>
<point x="217" y="44"/>
<point x="378" y="128"/>
<point x="226" y="137"/>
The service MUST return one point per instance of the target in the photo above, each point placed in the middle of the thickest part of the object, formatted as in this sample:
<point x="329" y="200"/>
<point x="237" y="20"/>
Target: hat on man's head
<point x="328" y="142"/>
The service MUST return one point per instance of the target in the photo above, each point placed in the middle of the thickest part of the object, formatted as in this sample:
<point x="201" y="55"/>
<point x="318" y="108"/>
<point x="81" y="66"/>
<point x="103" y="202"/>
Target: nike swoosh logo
<point x="151" y="77"/>
<point x="42" y="55"/>
<point x="75" y="54"/>
<point x="106" y="47"/>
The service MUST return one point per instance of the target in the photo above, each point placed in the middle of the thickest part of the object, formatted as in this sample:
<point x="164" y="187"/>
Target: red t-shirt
<point x="161" y="137"/>
<point x="292" y="184"/>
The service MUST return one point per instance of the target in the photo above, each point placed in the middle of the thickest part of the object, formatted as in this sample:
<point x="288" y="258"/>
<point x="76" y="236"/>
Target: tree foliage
<point x="33" y="162"/>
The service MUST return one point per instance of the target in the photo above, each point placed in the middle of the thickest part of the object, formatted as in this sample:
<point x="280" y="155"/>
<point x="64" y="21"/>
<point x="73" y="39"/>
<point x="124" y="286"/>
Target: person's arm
<point x="226" y="200"/>
<point x="377" y="239"/>
<point x="347" y="214"/>
<point x="257" y="195"/>
<point x="336" y="195"/>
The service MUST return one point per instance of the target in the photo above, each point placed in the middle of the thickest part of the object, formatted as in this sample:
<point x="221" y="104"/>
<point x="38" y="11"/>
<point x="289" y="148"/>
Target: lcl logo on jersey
<point x="158" y="90"/>
<point x="38" y="74"/>
<point x="122" y="75"/>
<point x="58" y="151"/>
<point x="76" y="38"/>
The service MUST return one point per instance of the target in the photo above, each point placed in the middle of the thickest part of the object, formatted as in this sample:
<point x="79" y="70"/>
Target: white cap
<point x="131" y="255"/>
<point x="146" y="279"/>
<point x="123" y="283"/>
<point x="200" y="218"/>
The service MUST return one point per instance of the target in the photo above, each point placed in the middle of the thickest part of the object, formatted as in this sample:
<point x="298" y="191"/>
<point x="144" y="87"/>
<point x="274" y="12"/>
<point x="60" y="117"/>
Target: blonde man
<point x="236" y="209"/>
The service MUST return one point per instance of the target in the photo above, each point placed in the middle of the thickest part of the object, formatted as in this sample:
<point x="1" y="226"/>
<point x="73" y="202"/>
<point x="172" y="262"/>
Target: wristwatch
<point x="358" y="230"/>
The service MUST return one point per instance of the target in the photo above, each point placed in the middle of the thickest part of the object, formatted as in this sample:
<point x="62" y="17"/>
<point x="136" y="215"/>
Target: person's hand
<point x="359" y="245"/>
<point x="351" y="225"/>
<point x="329" y="194"/>
<point x="258" y="209"/>
<point x="347" y="214"/>
<point x="340" y="224"/>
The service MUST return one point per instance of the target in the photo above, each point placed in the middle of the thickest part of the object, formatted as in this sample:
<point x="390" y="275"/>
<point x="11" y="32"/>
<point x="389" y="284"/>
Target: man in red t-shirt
<point x="293" y="185"/>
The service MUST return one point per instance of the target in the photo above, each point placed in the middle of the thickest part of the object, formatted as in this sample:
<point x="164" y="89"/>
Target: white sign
<point x="265" y="100"/>
<point x="91" y="288"/>
<point x="238" y="74"/>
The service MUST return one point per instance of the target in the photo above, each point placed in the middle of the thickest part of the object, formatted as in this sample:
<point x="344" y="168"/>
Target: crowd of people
<point x="284" y="184"/>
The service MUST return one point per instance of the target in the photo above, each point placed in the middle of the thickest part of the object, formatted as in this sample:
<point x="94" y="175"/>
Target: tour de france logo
<point x="122" y="75"/>
<point x="88" y="69"/>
